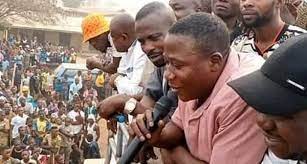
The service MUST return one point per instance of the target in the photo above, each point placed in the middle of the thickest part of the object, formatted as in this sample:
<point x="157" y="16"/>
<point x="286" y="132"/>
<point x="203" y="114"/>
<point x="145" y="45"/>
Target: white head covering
<point x="91" y="116"/>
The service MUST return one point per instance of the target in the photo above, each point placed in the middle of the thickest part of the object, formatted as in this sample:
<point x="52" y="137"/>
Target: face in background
<point x="101" y="42"/>
<point x="150" y="32"/>
<point x="190" y="73"/>
<point x="183" y="8"/>
<point x="226" y="8"/>
<point x="22" y="131"/>
<point x="285" y="135"/>
<point x="25" y="155"/>
<point x="257" y="13"/>
<point x="6" y="154"/>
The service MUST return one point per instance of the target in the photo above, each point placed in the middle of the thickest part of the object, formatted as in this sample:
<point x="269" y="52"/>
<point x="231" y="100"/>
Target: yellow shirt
<point x="100" y="80"/>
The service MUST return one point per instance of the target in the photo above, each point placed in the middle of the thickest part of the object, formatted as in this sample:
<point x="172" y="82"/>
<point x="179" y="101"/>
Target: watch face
<point x="130" y="106"/>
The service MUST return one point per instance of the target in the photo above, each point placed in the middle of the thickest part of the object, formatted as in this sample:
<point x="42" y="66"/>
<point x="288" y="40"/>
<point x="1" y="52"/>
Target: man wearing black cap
<point x="278" y="91"/>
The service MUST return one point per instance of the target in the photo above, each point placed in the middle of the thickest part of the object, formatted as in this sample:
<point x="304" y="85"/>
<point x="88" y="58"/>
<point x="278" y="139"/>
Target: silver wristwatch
<point x="130" y="106"/>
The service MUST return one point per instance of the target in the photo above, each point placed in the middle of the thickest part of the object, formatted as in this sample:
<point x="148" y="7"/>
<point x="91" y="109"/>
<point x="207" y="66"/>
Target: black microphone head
<point x="163" y="105"/>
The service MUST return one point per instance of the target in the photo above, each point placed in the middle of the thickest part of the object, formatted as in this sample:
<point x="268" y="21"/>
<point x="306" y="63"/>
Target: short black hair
<point x="149" y="9"/>
<point x="209" y="31"/>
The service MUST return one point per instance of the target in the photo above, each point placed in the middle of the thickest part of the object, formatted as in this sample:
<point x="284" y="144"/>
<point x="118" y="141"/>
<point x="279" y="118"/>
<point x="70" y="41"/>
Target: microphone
<point x="161" y="109"/>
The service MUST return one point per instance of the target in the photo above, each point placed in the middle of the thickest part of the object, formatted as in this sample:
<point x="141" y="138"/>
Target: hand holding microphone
<point x="143" y="126"/>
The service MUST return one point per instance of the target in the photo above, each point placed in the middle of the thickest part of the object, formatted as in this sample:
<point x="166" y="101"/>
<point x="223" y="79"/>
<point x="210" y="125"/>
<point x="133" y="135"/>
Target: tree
<point x="44" y="11"/>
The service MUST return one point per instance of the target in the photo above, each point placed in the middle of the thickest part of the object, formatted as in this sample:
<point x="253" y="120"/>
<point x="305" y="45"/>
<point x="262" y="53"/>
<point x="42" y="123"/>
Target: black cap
<point x="280" y="86"/>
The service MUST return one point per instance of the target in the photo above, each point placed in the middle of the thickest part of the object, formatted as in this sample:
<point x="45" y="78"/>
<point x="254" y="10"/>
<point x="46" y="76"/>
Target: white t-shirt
<point x="72" y="115"/>
<point x="17" y="122"/>
<point x="270" y="158"/>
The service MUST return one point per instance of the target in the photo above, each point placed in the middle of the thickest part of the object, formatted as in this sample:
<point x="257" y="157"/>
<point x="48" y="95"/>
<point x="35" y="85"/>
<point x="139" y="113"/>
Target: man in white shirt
<point x="18" y="121"/>
<point x="74" y="88"/>
<point x="77" y="117"/>
<point x="132" y="65"/>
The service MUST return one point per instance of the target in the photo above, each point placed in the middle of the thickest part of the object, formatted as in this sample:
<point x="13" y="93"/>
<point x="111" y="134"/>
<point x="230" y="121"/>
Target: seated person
<point x="278" y="93"/>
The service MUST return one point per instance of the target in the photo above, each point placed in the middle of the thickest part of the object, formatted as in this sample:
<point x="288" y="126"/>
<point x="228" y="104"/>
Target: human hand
<point x="140" y="127"/>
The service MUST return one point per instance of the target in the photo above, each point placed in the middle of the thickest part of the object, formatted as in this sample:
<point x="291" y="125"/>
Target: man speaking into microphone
<point x="212" y="124"/>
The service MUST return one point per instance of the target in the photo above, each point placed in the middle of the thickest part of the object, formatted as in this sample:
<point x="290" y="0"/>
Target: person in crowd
<point x="198" y="70"/>
<point x="6" y="156"/>
<point x="74" y="88"/>
<point x="18" y="121"/>
<point x="28" y="107"/>
<point x="90" y="108"/>
<point x="17" y="149"/>
<point x="26" y="157"/>
<point x="53" y="141"/>
<point x="23" y="136"/>
<point x="90" y="91"/>
<point x="35" y="84"/>
<point x="268" y="30"/>
<point x="95" y="29"/>
<point x="4" y="129"/>
<point x="280" y="101"/>
<point x="77" y="117"/>
<point x="90" y="147"/>
<point x="41" y="127"/>
<point x="100" y="85"/>
<point x="132" y="65"/>
<point x="67" y="133"/>
<point x="229" y="12"/>
<point x="183" y="8"/>
<point x="92" y="128"/>
<point x="88" y="76"/>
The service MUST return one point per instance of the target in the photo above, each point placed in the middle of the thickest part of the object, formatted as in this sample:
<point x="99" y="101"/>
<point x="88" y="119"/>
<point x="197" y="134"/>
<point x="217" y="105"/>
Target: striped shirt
<point x="246" y="43"/>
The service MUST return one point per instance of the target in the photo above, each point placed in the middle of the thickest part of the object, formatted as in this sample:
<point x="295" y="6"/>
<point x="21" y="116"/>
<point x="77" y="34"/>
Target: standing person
<point x="77" y="117"/>
<point x="268" y="30"/>
<point x="53" y="141"/>
<point x="229" y="12"/>
<point x="35" y="84"/>
<point x="183" y="8"/>
<point x="129" y="76"/>
<point x="90" y="91"/>
<point x="88" y="77"/>
<point x="90" y="108"/>
<point x="92" y="128"/>
<point x="210" y="115"/>
<point x="18" y="121"/>
<point x="95" y="29"/>
<point x="100" y="84"/>
<point x="280" y="101"/>
<point x="74" y="88"/>
<point x="41" y="127"/>
<point x="4" y="129"/>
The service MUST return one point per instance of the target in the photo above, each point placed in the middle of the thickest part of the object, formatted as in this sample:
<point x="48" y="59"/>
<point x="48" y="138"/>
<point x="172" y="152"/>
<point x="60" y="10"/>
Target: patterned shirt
<point x="246" y="43"/>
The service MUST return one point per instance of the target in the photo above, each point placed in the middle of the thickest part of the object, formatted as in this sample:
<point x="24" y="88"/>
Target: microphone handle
<point x="136" y="144"/>
<point x="130" y="152"/>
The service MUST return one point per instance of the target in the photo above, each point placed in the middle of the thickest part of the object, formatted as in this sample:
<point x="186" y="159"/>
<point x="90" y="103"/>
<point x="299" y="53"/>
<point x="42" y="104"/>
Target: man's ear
<point x="215" y="61"/>
<point x="125" y="36"/>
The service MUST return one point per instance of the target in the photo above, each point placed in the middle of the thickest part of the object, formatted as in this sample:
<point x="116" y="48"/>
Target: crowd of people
<point x="234" y="71"/>
<point x="42" y="120"/>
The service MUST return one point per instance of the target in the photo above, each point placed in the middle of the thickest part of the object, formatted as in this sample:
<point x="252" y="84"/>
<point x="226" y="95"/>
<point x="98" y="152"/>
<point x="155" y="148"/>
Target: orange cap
<point x="93" y="25"/>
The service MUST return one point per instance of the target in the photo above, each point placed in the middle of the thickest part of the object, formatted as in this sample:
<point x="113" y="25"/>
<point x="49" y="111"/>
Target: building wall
<point x="76" y="41"/>
<point x="52" y="37"/>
